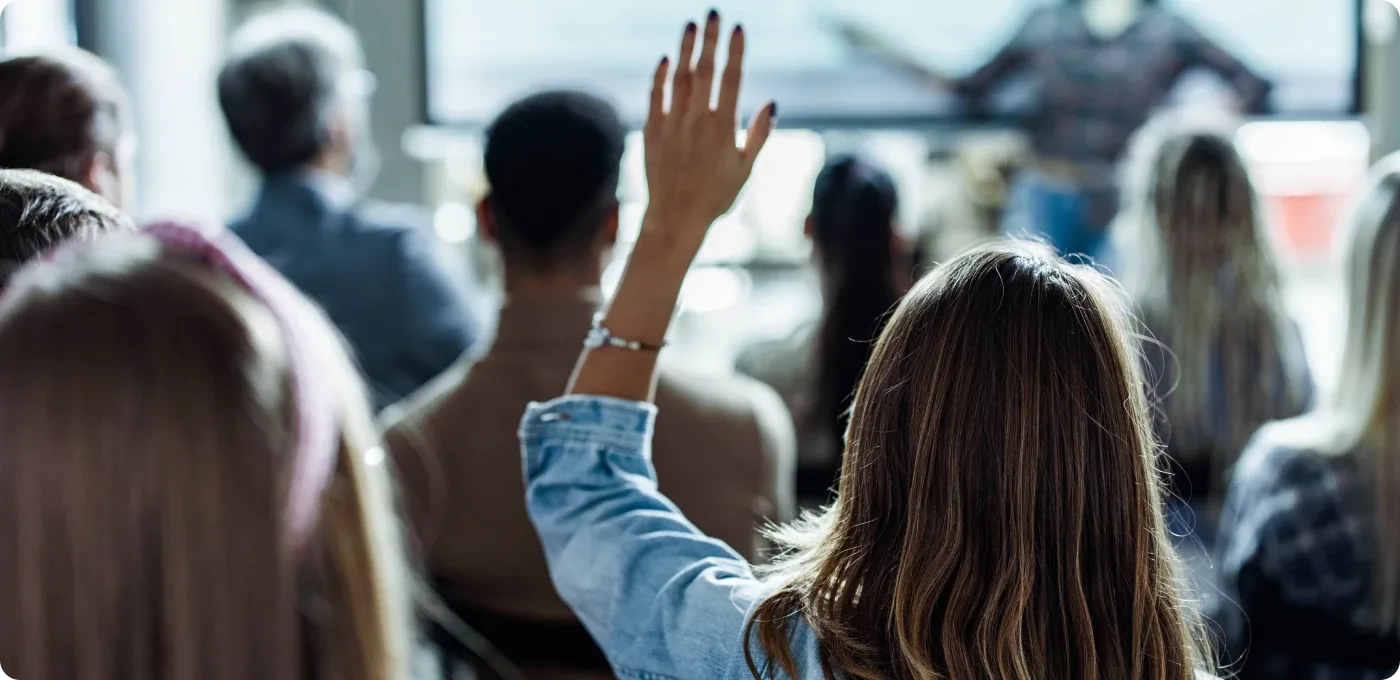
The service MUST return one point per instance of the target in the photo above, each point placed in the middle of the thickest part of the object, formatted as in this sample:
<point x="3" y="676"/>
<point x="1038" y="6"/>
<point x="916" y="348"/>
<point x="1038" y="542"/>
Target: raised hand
<point x="695" y="168"/>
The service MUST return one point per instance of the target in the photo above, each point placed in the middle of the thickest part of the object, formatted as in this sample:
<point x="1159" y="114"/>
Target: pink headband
<point x="316" y="407"/>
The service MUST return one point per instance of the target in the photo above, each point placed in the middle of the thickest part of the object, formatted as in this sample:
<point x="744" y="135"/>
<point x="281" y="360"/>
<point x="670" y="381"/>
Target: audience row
<point x="997" y="458"/>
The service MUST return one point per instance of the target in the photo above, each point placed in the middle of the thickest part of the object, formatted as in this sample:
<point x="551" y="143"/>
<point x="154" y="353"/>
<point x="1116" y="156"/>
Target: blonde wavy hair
<point x="1201" y="269"/>
<point x="1361" y="415"/>
<point x="150" y="451"/>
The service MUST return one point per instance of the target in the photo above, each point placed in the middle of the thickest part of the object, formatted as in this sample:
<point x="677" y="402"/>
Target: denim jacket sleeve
<point x="663" y="600"/>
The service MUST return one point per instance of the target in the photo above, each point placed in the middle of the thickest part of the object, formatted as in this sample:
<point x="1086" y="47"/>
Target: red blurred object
<point x="1307" y="222"/>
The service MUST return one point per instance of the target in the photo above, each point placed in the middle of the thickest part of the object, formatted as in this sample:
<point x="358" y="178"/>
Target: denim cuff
<point x="621" y="425"/>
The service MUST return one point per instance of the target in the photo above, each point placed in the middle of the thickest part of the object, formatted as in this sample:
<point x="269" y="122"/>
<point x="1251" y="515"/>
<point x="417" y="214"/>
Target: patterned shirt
<point x="1095" y="92"/>
<point x="1296" y="554"/>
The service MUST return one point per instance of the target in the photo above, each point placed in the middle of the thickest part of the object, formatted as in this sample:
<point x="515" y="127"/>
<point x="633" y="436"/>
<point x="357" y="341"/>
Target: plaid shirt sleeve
<point x="1198" y="50"/>
<point x="1007" y="61"/>
<point x="1293" y="518"/>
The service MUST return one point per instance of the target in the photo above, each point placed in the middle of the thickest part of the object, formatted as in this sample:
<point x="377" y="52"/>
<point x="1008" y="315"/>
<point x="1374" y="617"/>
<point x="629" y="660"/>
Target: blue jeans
<point x="1051" y="210"/>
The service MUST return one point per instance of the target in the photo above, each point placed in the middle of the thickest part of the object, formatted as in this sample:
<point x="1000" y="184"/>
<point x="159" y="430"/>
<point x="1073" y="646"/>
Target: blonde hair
<point x="999" y="510"/>
<point x="1361" y="415"/>
<point x="1202" y="272"/>
<point x="150" y="427"/>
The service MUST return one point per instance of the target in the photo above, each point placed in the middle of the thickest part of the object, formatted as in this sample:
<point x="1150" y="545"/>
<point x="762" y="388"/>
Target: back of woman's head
<point x="165" y="514"/>
<point x="1362" y="414"/>
<point x="59" y="112"/>
<point x="999" y="505"/>
<point x="854" y="207"/>
<point x="1370" y="378"/>
<point x="1202" y="270"/>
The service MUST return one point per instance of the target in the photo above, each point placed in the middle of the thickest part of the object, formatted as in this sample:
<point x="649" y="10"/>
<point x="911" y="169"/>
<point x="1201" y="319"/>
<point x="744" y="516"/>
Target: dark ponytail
<point x="853" y="214"/>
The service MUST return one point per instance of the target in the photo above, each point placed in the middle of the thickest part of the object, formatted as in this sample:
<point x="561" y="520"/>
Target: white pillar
<point x="391" y="33"/>
<point x="168" y="53"/>
<point x="185" y="159"/>
<point x="1382" y="75"/>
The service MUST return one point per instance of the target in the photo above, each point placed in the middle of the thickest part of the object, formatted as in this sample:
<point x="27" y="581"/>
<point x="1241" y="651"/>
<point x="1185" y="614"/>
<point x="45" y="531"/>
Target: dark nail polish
<point x="665" y="60"/>
<point x="773" y="109"/>
<point x="690" y="28"/>
<point x="738" y="28"/>
<point x="714" y="15"/>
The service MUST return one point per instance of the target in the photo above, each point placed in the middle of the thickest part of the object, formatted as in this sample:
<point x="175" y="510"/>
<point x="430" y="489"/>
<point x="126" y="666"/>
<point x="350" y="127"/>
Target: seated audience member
<point x="864" y="268"/>
<point x="296" y="99"/>
<point x="971" y="191"/>
<point x="999" y="513"/>
<point x="723" y="449"/>
<point x="272" y="553"/>
<point x="38" y="211"/>
<point x="66" y="114"/>
<point x="1309" y="543"/>
<point x="1223" y="356"/>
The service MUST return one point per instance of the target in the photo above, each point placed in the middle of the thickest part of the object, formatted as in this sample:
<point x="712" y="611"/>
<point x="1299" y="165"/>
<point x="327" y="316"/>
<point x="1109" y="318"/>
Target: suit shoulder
<point x="389" y="221"/>
<point x="398" y="235"/>
<point x="239" y="223"/>
<point x="245" y="227"/>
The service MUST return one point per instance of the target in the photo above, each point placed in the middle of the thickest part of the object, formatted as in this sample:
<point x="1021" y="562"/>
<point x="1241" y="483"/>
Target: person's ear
<point x="100" y="177"/>
<point x="486" y="220"/>
<point x="807" y="227"/>
<point x="610" y="226"/>
<point x="339" y="143"/>
<point x="902" y="252"/>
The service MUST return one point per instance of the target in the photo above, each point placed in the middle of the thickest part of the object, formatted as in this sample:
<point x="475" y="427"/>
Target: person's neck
<point x="534" y="284"/>
<point x="329" y="163"/>
<point x="334" y="185"/>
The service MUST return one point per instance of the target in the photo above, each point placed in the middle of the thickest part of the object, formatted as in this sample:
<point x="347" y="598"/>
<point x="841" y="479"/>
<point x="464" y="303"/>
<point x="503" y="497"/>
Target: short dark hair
<point x="38" y="211"/>
<point x="553" y="160"/>
<point x="280" y="81"/>
<point x="59" y="110"/>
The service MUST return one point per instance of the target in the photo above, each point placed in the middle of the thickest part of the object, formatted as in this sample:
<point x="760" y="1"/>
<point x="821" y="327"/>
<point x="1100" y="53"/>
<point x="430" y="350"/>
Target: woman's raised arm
<point x="695" y="169"/>
<point x="662" y="599"/>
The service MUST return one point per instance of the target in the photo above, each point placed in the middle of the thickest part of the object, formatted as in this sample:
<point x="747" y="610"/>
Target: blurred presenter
<point x="1102" y="67"/>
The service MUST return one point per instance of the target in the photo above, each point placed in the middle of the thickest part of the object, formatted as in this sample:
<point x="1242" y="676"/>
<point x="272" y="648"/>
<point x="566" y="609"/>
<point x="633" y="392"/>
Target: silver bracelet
<point x="600" y="337"/>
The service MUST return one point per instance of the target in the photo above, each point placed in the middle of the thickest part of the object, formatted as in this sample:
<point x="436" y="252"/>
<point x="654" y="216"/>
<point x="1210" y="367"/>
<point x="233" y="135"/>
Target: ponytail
<point x="853" y="214"/>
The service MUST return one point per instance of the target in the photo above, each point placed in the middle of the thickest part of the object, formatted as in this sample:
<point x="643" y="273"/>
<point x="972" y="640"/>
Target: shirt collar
<point x="337" y="190"/>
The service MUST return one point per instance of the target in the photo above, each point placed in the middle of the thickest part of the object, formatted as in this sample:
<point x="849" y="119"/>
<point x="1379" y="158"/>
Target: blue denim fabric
<point x="1043" y="207"/>
<point x="663" y="600"/>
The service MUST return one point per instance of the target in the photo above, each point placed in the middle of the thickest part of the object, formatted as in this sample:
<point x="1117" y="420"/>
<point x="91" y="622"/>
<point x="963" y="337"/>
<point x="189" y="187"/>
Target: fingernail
<point x="690" y="28"/>
<point x="738" y="28"/>
<point x="773" y="109"/>
<point x="714" y="15"/>
<point x="664" y="61"/>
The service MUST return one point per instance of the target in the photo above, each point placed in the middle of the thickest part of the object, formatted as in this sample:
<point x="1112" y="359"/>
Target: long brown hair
<point x="999" y="511"/>
<point x="150" y="443"/>
<point x="854" y="208"/>
<point x="1202" y="271"/>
